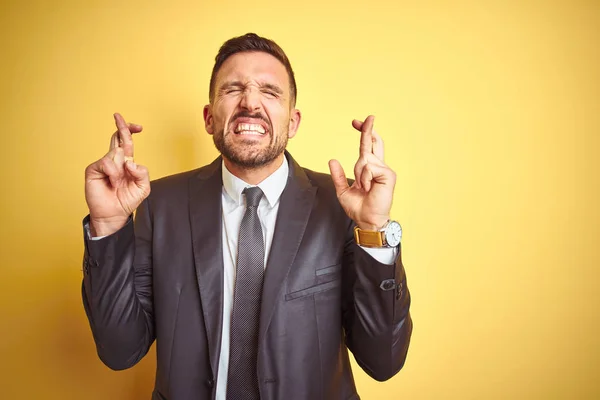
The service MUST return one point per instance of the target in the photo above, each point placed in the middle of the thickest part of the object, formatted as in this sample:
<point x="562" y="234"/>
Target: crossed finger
<point x="366" y="136"/>
<point x="122" y="137"/>
<point x="370" y="141"/>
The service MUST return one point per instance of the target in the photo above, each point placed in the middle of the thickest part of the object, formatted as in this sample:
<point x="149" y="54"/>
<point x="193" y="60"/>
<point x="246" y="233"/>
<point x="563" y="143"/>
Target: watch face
<point x="393" y="234"/>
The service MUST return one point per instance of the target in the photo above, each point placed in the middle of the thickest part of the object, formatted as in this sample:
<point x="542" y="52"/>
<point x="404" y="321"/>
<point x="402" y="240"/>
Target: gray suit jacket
<point x="163" y="279"/>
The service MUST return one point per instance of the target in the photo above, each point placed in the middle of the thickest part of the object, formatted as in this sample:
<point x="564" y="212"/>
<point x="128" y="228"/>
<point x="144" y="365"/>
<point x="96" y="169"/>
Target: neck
<point x="254" y="176"/>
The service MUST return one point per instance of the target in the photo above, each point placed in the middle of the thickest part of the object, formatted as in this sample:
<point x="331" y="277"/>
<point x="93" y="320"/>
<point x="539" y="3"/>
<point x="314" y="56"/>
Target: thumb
<point x="338" y="177"/>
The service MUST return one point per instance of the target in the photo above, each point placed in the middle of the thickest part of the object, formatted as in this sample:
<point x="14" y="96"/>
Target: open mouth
<point x="247" y="125"/>
<point x="249" y="129"/>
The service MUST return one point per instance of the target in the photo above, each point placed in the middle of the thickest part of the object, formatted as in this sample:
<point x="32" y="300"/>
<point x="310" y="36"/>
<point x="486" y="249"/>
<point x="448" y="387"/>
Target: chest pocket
<point x="325" y="278"/>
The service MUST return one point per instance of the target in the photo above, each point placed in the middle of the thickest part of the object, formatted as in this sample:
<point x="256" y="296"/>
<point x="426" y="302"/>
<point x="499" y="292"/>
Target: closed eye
<point x="271" y="91"/>
<point x="231" y="87"/>
<point x="271" y="94"/>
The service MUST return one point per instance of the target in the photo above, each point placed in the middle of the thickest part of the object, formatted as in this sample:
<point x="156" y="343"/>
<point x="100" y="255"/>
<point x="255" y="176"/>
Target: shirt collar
<point x="272" y="186"/>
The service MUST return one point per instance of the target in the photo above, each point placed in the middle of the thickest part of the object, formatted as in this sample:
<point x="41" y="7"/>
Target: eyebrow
<point x="231" y="84"/>
<point x="239" y="84"/>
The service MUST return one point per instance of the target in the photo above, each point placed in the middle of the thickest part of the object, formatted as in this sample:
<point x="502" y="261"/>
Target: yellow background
<point x="490" y="114"/>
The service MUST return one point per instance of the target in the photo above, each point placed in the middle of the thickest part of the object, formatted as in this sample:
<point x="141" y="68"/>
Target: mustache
<point x="246" y="114"/>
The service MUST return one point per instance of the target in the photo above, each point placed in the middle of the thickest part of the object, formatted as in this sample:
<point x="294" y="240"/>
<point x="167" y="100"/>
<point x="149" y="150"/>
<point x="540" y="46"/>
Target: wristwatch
<point x="388" y="236"/>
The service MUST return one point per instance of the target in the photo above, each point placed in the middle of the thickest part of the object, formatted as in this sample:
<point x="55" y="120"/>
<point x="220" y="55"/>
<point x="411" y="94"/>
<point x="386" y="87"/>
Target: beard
<point x="247" y="154"/>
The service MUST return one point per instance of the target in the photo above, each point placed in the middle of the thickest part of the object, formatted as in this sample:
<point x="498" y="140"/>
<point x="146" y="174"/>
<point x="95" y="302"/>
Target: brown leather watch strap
<point x="368" y="238"/>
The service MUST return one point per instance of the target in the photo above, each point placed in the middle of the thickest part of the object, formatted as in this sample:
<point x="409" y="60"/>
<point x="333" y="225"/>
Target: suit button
<point x="210" y="383"/>
<point x="388" y="284"/>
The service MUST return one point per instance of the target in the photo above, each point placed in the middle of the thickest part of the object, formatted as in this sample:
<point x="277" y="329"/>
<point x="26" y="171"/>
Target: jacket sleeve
<point x="375" y="311"/>
<point x="117" y="291"/>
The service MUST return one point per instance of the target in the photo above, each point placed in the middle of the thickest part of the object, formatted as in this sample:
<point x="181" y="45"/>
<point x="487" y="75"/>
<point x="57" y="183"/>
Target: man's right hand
<point x="114" y="185"/>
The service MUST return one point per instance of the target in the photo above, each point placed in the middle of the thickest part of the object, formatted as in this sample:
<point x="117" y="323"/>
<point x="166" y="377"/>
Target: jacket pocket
<point x="327" y="274"/>
<point x="332" y="269"/>
<point x="321" y="287"/>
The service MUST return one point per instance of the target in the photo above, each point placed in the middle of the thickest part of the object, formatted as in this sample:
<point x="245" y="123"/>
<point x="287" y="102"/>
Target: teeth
<point x="250" y="128"/>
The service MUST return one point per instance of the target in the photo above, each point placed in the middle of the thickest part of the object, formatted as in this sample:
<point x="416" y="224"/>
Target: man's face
<point x="251" y="116"/>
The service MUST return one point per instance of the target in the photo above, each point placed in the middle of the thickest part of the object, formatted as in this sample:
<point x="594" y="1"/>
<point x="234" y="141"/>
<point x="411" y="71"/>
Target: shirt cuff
<point x="86" y="226"/>
<point x="385" y="255"/>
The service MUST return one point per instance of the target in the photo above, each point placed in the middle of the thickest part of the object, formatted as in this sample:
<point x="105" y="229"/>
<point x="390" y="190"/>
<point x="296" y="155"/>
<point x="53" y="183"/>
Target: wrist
<point x="373" y="225"/>
<point x="103" y="227"/>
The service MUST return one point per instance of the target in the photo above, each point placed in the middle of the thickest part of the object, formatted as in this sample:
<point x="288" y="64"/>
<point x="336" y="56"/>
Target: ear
<point x="295" y="117"/>
<point x="208" y="119"/>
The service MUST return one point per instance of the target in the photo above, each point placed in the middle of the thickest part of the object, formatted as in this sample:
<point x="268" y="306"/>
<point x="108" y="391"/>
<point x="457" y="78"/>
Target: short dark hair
<point x="248" y="43"/>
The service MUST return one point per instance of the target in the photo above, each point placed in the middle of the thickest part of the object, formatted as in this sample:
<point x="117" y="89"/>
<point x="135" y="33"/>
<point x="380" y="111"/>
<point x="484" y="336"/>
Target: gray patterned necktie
<point x="242" y="380"/>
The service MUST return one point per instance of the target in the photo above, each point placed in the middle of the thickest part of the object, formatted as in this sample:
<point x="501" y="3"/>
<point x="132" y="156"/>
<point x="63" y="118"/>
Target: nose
<point x="250" y="100"/>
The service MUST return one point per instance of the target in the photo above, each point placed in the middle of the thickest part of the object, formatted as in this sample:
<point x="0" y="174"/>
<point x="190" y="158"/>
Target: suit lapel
<point x="206" y="224"/>
<point x="294" y="210"/>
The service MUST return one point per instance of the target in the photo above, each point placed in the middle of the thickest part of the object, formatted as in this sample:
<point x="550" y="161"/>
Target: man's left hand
<point x="369" y="200"/>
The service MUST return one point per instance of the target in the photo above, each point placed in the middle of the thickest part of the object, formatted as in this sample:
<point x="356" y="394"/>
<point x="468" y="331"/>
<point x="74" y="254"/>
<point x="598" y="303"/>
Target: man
<point x="249" y="272"/>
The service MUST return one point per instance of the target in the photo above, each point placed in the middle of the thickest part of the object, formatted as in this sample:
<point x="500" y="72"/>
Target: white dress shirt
<point x="234" y="207"/>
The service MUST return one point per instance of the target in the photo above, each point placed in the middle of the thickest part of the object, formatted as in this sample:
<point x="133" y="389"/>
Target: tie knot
<point x="253" y="196"/>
